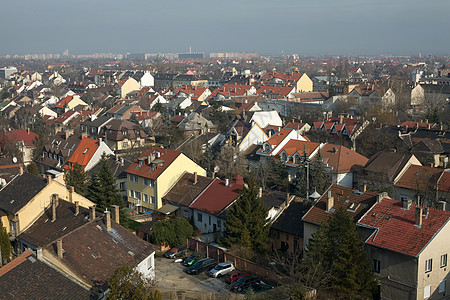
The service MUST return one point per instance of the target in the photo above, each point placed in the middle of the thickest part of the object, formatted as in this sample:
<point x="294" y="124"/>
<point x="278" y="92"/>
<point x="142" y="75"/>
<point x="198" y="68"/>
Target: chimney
<point x="108" y="220"/>
<point x="426" y="210"/>
<point x="213" y="175"/>
<point x="92" y="213"/>
<point x="49" y="178"/>
<point x="116" y="213"/>
<point x="195" y="178"/>
<point x="341" y="119"/>
<point x="77" y="208"/>
<point x="260" y="192"/>
<point x="39" y="253"/>
<point x="288" y="199"/>
<point x="418" y="216"/>
<point x="28" y="130"/>
<point x="149" y="159"/>
<point x="100" y="140"/>
<point x="54" y="205"/>
<point x="59" y="248"/>
<point x="364" y="187"/>
<point x="21" y="170"/>
<point x="67" y="135"/>
<point x="330" y="201"/>
<point x="227" y="182"/>
<point x="406" y="203"/>
<point x="71" y="191"/>
<point x="442" y="205"/>
<point x="429" y="126"/>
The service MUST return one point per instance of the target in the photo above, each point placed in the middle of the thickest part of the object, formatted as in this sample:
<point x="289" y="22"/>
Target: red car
<point x="234" y="275"/>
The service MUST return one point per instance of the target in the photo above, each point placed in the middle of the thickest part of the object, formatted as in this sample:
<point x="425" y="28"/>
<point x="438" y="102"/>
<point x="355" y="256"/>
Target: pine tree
<point x="336" y="260"/>
<point x="5" y="245"/>
<point x="102" y="188"/>
<point x="77" y="178"/>
<point x="32" y="168"/>
<point x="299" y="184"/>
<point x="246" y="222"/>
<point x="320" y="178"/>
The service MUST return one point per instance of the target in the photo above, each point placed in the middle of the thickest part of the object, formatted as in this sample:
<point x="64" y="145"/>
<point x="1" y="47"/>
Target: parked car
<point x="192" y="259"/>
<point x="205" y="264"/>
<point x="176" y="252"/>
<point x="243" y="283"/>
<point x="258" y="287"/>
<point x="234" y="275"/>
<point x="221" y="269"/>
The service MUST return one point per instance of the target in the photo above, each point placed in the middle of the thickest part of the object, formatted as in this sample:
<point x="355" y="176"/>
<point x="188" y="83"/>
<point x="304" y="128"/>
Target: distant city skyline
<point x="345" y="27"/>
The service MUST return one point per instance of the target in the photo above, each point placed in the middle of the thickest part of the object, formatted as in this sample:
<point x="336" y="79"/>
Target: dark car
<point x="176" y="252"/>
<point x="244" y="283"/>
<point x="192" y="259"/>
<point x="202" y="265"/>
<point x="258" y="287"/>
<point x="234" y="275"/>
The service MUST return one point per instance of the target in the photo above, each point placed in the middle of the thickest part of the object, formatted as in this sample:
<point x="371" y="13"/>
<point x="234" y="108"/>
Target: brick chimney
<point x="49" y="179"/>
<point x="21" y="170"/>
<point x="195" y="178"/>
<point x="108" y="220"/>
<point x="54" y="205"/>
<point x="92" y="213"/>
<point x="330" y="201"/>
<point x="418" y="216"/>
<point x="116" y="213"/>
<point x="442" y="205"/>
<point x="71" y="191"/>
<point x="364" y="189"/>
<point x="77" y="208"/>
<point x="59" y="248"/>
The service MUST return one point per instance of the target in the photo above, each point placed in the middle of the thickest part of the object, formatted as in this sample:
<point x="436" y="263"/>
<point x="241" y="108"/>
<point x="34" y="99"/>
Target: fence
<point x="221" y="256"/>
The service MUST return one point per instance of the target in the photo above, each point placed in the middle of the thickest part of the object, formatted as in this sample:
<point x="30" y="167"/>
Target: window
<point x="137" y="195"/>
<point x="428" y="265"/>
<point x="131" y="193"/>
<point x="427" y="292"/>
<point x="209" y="220"/>
<point x="199" y="217"/>
<point x="133" y="178"/>
<point x="219" y="223"/>
<point x="442" y="287"/>
<point x="376" y="266"/>
<point x="122" y="186"/>
<point x="124" y="144"/>
<point x="443" y="260"/>
<point x="149" y="182"/>
<point x="152" y="199"/>
<point x="145" y="197"/>
<point x="150" y="263"/>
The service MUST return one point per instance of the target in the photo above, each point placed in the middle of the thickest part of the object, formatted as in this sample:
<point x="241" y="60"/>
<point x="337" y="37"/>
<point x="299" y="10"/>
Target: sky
<point x="314" y="27"/>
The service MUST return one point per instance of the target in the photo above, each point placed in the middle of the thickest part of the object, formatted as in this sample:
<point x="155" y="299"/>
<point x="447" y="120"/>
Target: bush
<point x="171" y="233"/>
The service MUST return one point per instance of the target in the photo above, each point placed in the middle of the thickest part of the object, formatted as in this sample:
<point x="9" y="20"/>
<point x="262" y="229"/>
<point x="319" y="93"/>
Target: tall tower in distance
<point x="66" y="53"/>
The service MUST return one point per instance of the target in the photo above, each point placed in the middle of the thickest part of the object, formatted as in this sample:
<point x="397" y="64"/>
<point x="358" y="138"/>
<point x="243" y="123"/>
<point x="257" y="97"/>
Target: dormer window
<point x="267" y="147"/>
<point x="124" y="132"/>
<point x="296" y="158"/>
<point x="284" y="157"/>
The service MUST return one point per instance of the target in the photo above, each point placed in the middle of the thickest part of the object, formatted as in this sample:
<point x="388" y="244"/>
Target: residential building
<point x="88" y="153"/>
<point x="123" y="135"/>
<point x="94" y="125"/>
<point x="408" y="247"/>
<point x="300" y="81"/>
<point x="23" y="139"/>
<point x="195" y="124"/>
<point x="153" y="174"/>
<point x="126" y="86"/>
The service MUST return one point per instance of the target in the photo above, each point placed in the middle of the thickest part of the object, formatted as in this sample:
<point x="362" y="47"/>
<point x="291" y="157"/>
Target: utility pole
<point x="307" y="180"/>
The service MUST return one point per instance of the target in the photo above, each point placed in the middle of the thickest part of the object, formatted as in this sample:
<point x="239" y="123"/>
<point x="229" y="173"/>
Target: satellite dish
<point x="14" y="159"/>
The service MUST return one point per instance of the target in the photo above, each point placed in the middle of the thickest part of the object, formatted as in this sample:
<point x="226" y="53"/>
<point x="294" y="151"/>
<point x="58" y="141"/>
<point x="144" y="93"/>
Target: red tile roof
<point x="343" y="197"/>
<point x="63" y="102"/>
<point x="295" y="146"/>
<point x="63" y="118"/>
<point x="19" y="135"/>
<point x="216" y="197"/>
<point x="444" y="182"/>
<point x="177" y="119"/>
<point x="84" y="152"/>
<point x="279" y="136"/>
<point x="195" y="91"/>
<point x="281" y="91"/>
<point x="342" y="159"/>
<point x="141" y="167"/>
<point x="294" y="125"/>
<point x="412" y="124"/>
<point x="291" y="77"/>
<point x="396" y="230"/>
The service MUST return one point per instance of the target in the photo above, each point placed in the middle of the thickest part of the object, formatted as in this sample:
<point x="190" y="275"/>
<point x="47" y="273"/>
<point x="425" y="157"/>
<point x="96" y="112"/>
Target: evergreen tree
<point x="298" y="185"/>
<point x="206" y="159"/>
<point x="246" y="222"/>
<point x="336" y="260"/>
<point x="134" y="119"/>
<point x="77" y="178"/>
<point x="32" y="168"/>
<point x="5" y="245"/>
<point x="102" y="187"/>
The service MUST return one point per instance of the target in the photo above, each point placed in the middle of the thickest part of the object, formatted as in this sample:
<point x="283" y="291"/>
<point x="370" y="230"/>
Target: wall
<point x="279" y="237"/>
<point x="205" y="225"/>
<point x="130" y="85"/>
<point x="344" y="179"/>
<point x="147" y="266"/>
<point x="43" y="199"/>
<point x="308" y="230"/>
<point x="103" y="148"/>
<point x="438" y="246"/>
<point x="305" y="84"/>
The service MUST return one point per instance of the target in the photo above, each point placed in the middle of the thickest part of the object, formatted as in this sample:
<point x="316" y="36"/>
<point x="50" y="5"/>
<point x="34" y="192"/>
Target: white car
<point x="221" y="269"/>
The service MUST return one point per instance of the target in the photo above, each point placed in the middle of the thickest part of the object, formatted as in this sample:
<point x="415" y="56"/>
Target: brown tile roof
<point x="95" y="253"/>
<point x="343" y="197"/>
<point x="342" y="159"/>
<point x="419" y="178"/>
<point x="184" y="191"/>
<point x="28" y="278"/>
<point x="387" y="163"/>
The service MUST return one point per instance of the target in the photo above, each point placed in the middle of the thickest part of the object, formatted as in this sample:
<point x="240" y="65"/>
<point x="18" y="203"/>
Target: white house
<point x="266" y="118"/>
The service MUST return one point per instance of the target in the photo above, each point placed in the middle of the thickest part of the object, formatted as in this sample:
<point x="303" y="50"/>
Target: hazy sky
<point x="266" y="27"/>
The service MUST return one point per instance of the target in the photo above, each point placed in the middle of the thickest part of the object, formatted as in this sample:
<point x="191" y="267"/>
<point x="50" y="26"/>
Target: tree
<point x="128" y="283"/>
<point x="102" y="188"/>
<point x="246" y="223"/>
<point x="134" y="119"/>
<point x="77" y="178"/>
<point x="171" y="233"/>
<point x="271" y="173"/>
<point x="336" y="260"/>
<point x="5" y="246"/>
<point x="32" y="168"/>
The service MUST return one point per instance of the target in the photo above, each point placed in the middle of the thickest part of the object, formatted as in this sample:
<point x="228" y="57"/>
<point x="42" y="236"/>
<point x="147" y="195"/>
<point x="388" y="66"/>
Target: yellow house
<point x="153" y="174"/>
<point x="25" y="198"/>
<point x="304" y="84"/>
<point x="126" y="86"/>
<point x="124" y="135"/>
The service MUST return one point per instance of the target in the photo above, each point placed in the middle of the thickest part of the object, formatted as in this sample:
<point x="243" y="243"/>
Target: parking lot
<point x="174" y="283"/>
